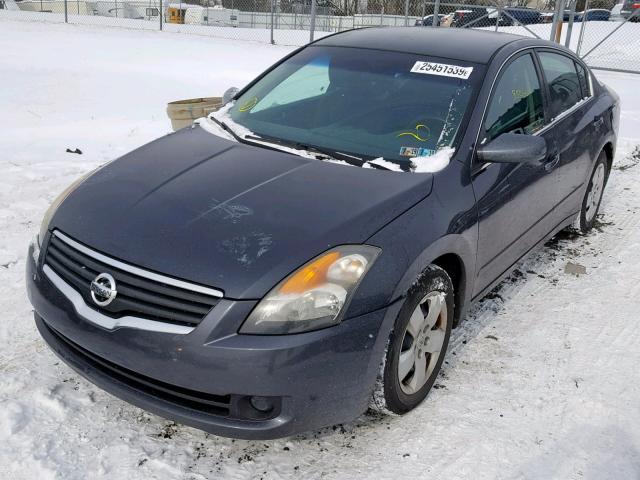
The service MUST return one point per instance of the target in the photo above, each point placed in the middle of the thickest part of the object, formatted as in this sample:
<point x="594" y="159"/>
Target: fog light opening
<point x="262" y="404"/>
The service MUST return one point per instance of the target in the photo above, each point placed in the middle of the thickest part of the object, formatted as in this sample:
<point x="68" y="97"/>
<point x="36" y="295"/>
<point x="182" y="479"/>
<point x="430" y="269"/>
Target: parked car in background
<point x="521" y="16"/>
<point x="428" y="21"/>
<point x="594" y="15"/>
<point x="631" y="10"/>
<point x="547" y="17"/>
<point x="616" y="13"/>
<point x="475" y="16"/>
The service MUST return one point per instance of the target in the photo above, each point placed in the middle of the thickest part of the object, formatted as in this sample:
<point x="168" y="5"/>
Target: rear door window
<point x="516" y="105"/>
<point x="564" y="83"/>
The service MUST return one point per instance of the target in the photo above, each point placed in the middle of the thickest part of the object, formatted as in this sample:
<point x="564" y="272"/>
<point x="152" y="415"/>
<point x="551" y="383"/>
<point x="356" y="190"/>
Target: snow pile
<point x="433" y="163"/>
<point x="540" y="381"/>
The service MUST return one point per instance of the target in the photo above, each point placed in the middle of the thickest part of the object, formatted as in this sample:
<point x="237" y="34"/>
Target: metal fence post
<point x="554" y="24"/>
<point x="498" y="17"/>
<point x="436" y="10"/>
<point x="561" y="7"/>
<point x="272" y="40"/>
<point x="406" y="13"/>
<point x="66" y="15"/>
<point x="312" y="27"/>
<point x="586" y="7"/>
<point x="572" y="8"/>
<point x="161" y="14"/>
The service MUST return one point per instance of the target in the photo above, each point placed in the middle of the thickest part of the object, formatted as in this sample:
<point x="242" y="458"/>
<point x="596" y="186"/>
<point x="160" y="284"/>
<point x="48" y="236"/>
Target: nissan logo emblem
<point x="103" y="289"/>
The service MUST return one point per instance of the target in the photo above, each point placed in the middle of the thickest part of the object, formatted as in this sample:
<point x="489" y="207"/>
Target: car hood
<point x="228" y="215"/>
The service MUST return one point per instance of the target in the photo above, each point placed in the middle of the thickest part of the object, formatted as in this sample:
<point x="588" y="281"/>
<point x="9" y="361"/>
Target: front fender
<point x="445" y="223"/>
<point x="455" y="246"/>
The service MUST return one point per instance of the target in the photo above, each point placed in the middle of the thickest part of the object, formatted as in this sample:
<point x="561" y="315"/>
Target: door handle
<point x="552" y="162"/>
<point x="598" y="121"/>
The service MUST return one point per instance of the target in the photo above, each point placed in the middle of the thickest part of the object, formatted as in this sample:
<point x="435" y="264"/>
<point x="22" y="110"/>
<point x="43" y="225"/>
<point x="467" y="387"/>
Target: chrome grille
<point x="156" y="298"/>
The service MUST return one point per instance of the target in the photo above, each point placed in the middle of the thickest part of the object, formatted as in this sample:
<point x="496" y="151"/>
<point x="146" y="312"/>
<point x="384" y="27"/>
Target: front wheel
<point x="417" y="345"/>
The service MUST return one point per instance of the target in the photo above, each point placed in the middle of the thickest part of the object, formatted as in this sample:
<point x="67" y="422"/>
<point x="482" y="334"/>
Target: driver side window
<point x="516" y="104"/>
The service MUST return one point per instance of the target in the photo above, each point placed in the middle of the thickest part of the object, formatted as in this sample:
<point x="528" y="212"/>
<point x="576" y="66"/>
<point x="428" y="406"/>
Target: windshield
<point x="368" y="103"/>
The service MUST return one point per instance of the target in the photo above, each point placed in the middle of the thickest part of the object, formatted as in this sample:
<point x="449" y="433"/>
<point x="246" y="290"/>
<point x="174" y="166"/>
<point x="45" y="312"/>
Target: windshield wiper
<point x="226" y="128"/>
<point x="328" y="153"/>
<point x="346" y="157"/>
<point x="237" y="137"/>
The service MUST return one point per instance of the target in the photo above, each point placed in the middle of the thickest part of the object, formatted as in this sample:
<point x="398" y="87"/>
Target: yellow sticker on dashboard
<point x="249" y="104"/>
<point x="520" y="94"/>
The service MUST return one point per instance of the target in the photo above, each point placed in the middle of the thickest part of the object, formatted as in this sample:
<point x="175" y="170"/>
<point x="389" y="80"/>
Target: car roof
<point x="470" y="45"/>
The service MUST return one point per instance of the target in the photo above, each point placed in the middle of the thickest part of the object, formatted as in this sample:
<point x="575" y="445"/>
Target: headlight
<point x="44" y="226"/>
<point x="314" y="296"/>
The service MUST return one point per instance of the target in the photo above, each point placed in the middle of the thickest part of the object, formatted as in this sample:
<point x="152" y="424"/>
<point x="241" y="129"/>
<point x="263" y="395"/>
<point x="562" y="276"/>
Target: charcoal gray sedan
<point x="302" y="254"/>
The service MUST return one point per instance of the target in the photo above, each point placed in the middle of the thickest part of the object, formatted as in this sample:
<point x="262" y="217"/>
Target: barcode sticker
<point x="442" y="69"/>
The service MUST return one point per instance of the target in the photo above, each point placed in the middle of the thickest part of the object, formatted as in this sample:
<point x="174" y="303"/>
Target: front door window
<point x="516" y="105"/>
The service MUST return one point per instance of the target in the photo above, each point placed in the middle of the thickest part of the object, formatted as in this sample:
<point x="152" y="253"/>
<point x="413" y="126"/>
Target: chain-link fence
<point x="606" y="35"/>
<point x="611" y="45"/>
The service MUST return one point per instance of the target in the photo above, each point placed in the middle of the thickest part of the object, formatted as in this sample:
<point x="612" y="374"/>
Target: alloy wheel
<point x="423" y="340"/>
<point x="596" y="189"/>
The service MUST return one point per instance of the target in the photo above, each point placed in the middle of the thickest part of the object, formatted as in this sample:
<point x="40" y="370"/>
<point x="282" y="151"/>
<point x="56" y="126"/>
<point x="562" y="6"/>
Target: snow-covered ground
<point x="541" y="380"/>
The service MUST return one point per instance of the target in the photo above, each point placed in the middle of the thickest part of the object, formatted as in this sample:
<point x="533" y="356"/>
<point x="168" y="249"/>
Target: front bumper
<point x="205" y="378"/>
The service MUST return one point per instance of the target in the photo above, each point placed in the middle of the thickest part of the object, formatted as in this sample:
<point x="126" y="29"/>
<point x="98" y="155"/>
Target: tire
<point x="419" y="339"/>
<point x="593" y="196"/>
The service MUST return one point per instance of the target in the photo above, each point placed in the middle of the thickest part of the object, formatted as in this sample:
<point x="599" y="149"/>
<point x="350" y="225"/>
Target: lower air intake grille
<point x="183" y="397"/>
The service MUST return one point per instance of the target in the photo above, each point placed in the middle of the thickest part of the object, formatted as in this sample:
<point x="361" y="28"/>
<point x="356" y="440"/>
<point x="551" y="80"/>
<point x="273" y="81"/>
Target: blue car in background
<point x="595" y="15"/>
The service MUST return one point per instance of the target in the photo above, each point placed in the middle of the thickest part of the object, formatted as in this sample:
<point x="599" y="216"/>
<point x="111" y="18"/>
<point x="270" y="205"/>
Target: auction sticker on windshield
<point x="442" y="69"/>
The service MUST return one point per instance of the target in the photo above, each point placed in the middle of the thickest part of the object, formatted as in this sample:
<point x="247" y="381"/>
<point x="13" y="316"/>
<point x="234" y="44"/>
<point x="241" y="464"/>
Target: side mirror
<point x="229" y="94"/>
<point x="514" y="148"/>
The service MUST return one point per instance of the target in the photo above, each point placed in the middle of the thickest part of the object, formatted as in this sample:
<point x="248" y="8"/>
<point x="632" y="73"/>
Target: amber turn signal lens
<point x="311" y="276"/>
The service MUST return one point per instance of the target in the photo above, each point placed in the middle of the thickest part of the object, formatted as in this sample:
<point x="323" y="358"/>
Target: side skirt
<point x="565" y="223"/>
